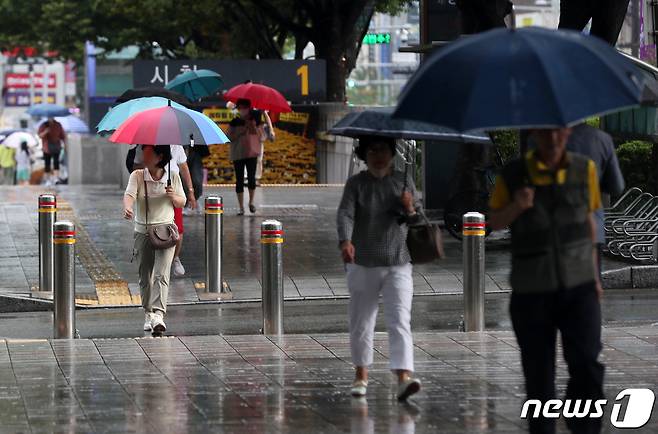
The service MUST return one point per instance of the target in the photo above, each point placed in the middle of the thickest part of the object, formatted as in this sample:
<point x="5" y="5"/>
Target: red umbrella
<point x="262" y="97"/>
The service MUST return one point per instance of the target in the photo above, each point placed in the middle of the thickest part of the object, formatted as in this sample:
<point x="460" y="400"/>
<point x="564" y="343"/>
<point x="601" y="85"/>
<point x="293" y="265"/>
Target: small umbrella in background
<point x="142" y="92"/>
<point x="169" y="125"/>
<point x="378" y="122"/>
<point x="120" y="113"/>
<point x="262" y="97"/>
<point x="15" y="139"/>
<point x="521" y="78"/>
<point x="196" y="84"/>
<point x="70" y="124"/>
<point x="47" y="110"/>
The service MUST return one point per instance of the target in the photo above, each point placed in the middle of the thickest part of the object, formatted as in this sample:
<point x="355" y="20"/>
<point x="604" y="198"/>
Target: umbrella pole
<point x="169" y="174"/>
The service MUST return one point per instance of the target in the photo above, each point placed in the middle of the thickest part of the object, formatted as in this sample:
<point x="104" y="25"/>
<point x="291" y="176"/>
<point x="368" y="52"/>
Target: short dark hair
<point x="164" y="151"/>
<point x="243" y="102"/>
<point x="366" y="141"/>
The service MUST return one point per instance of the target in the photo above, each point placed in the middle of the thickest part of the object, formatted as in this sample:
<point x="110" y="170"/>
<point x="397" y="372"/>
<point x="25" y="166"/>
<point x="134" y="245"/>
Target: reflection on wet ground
<point x="295" y="384"/>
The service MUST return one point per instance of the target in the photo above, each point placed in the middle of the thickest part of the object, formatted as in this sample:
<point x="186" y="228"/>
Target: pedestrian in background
<point x="195" y="156"/>
<point x="246" y="133"/>
<point x="377" y="261"/>
<point x="7" y="164"/>
<point x="154" y="265"/>
<point x="598" y="146"/>
<point x="548" y="198"/>
<point x="53" y="139"/>
<point x="23" y="165"/>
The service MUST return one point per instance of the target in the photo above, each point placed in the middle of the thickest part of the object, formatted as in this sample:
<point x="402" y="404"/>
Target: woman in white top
<point x="154" y="265"/>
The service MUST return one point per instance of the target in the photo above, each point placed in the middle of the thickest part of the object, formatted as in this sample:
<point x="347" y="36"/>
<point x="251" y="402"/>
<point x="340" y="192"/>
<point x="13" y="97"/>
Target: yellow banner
<point x="220" y="115"/>
<point x="294" y="117"/>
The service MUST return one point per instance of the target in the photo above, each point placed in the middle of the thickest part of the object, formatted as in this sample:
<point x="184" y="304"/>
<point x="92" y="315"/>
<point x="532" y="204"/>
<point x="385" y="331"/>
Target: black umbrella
<point x="378" y="122"/>
<point x="154" y="91"/>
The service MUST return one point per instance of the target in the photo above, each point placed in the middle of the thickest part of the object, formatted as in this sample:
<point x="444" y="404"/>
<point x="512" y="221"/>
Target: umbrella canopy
<point x="262" y="97"/>
<point x="47" y="110"/>
<point x="378" y="122"/>
<point x="70" y="124"/>
<point x="142" y="92"/>
<point x="120" y="113"/>
<point x="196" y="84"/>
<point x="15" y="139"/>
<point x="169" y="126"/>
<point x="531" y="77"/>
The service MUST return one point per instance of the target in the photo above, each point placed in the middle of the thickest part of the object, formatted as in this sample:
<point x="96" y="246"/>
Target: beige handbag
<point x="163" y="236"/>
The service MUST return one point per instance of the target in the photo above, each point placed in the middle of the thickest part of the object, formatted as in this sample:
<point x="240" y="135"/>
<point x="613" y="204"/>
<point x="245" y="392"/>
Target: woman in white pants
<point x="372" y="230"/>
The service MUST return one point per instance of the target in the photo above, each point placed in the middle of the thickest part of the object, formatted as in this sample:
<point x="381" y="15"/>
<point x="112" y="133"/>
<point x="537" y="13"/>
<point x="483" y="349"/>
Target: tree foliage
<point x="199" y="28"/>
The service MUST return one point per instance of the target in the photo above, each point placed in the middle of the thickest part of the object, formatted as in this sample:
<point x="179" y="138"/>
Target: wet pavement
<point x="311" y="262"/>
<point x="472" y="383"/>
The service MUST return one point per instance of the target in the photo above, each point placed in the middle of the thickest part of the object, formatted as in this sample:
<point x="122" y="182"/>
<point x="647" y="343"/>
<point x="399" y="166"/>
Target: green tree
<point x="202" y="28"/>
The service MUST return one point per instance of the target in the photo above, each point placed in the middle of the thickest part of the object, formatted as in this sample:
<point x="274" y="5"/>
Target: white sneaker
<point x="177" y="268"/>
<point x="158" y="323"/>
<point x="408" y="388"/>
<point x="148" y="321"/>
<point x="359" y="388"/>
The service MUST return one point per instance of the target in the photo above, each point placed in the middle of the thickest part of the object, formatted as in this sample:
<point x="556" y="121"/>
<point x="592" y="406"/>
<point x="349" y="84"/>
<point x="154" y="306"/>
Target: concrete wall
<point x="94" y="160"/>
<point x="333" y="152"/>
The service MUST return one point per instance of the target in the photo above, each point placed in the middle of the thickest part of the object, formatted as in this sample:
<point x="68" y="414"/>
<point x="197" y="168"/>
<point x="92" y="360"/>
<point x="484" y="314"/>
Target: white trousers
<point x="396" y="287"/>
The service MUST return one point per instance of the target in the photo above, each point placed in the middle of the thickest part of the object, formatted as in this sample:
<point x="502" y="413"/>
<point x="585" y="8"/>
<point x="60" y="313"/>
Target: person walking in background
<point x="7" y="164"/>
<point x="269" y="135"/>
<point x="195" y="156"/>
<point x="548" y="198"/>
<point x="607" y="17"/>
<point x="23" y="165"/>
<point x="246" y="133"/>
<point x="53" y="139"/>
<point x="154" y="265"/>
<point x="598" y="146"/>
<point x="377" y="261"/>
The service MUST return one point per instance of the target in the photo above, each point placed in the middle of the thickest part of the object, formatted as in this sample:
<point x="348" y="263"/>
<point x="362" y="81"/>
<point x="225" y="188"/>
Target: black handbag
<point x="424" y="240"/>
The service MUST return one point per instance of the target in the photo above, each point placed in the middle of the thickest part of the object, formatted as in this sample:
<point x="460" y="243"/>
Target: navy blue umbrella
<point x="378" y="122"/>
<point x="525" y="78"/>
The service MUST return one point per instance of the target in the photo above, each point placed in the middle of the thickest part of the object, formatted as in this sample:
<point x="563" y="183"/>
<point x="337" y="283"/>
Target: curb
<point x="635" y="277"/>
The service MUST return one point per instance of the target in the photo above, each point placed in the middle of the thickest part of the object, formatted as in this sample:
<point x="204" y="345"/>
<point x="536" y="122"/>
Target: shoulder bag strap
<point x="146" y="198"/>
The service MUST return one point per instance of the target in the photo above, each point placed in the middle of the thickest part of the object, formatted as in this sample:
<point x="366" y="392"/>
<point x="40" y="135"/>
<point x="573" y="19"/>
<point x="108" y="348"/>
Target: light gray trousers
<point x="154" y="270"/>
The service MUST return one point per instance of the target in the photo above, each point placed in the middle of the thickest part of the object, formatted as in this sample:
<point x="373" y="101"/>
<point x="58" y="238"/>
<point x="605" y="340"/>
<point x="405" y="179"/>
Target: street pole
<point x="64" y="294"/>
<point x="214" y="249"/>
<point x="473" y="232"/>
<point x="47" y="216"/>
<point x="271" y="239"/>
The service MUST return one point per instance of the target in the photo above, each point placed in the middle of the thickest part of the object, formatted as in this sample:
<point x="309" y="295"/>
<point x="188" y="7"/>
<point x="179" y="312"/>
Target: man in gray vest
<point x="548" y="199"/>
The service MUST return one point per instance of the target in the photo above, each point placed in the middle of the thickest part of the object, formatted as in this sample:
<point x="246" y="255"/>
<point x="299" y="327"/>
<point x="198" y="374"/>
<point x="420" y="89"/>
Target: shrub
<point x="635" y="160"/>
<point x="507" y="142"/>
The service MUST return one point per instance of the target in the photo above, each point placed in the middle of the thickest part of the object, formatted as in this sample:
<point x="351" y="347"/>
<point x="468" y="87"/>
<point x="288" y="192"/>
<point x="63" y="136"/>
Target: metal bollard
<point x="473" y="238"/>
<point x="64" y="293"/>
<point x="271" y="238"/>
<point x="47" y="217"/>
<point x="214" y="248"/>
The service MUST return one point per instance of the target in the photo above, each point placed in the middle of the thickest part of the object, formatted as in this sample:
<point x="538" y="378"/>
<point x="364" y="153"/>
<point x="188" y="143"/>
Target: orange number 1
<point x="302" y="71"/>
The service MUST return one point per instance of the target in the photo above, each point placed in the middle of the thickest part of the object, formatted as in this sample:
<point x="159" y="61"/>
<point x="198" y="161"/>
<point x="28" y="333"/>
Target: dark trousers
<point x="195" y="163"/>
<point x="239" y="165"/>
<point x="536" y="318"/>
<point x="607" y="17"/>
